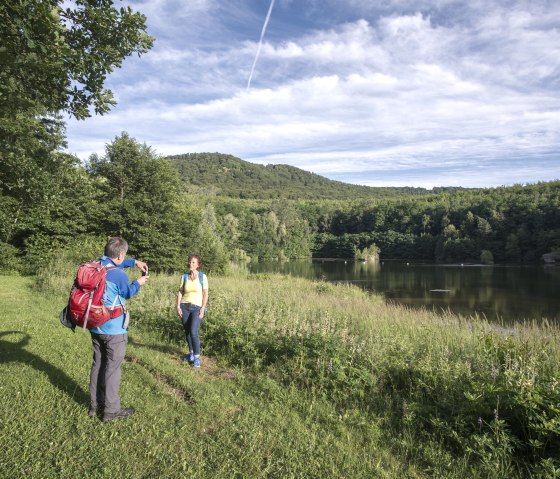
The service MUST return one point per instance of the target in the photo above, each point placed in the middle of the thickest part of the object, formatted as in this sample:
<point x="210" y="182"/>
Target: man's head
<point x="116" y="249"/>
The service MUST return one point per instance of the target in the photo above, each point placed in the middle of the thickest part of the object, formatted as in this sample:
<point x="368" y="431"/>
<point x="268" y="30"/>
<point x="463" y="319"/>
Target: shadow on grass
<point x="15" y="353"/>
<point x="172" y="350"/>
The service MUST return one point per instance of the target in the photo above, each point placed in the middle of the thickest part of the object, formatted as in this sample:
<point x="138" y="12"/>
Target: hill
<point x="227" y="175"/>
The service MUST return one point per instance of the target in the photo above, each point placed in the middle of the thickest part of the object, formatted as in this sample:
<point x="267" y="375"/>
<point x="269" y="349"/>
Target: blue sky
<point x="380" y="93"/>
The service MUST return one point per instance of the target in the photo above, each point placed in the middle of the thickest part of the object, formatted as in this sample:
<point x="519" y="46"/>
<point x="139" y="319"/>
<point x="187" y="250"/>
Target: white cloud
<point x="406" y="91"/>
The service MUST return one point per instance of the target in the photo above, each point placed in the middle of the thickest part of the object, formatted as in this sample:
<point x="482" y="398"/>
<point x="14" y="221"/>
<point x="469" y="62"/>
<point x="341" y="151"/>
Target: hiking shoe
<point x="189" y="358"/>
<point x="92" y="411"/>
<point x="122" y="414"/>
<point x="196" y="362"/>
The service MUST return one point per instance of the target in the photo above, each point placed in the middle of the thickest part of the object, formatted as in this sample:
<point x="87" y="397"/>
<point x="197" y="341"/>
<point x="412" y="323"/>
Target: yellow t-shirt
<point x="192" y="290"/>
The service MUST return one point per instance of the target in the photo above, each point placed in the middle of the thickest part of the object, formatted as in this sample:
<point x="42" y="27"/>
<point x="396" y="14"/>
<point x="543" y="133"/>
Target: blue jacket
<point x="117" y="288"/>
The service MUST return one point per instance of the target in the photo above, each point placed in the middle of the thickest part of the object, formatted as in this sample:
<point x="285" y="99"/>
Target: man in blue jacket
<point x="109" y="340"/>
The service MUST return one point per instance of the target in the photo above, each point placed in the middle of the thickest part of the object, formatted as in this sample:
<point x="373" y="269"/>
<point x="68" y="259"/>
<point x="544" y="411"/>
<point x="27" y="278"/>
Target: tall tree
<point x="142" y="201"/>
<point x="55" y="56"/>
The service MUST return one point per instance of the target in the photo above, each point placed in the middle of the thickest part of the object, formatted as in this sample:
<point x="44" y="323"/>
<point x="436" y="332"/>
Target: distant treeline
<point x="168" y="208"/>
<point x="226" y="175"/>
<point x="510" y="224"/>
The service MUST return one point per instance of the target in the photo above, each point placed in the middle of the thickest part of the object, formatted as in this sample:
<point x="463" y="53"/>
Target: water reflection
<point x="508" y="293"/>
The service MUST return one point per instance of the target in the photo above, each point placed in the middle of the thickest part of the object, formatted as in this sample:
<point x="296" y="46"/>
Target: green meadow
<point x="299" y="379"/>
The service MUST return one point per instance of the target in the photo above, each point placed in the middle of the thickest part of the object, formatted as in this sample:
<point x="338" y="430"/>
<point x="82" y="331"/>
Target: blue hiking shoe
<point x="196" y="362"/>
<point x="188" y="358"/>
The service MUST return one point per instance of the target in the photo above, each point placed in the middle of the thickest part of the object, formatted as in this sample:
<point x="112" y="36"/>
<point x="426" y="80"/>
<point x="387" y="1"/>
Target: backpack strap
<point x="115" y="310"/>
<point x="200" y="278"/>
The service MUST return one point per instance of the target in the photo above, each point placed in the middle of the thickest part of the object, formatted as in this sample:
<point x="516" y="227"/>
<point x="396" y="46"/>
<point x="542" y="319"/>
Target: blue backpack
<point x="201" y="279"/>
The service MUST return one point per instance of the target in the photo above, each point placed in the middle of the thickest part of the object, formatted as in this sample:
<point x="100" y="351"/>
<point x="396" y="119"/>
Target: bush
<point x="239" y="255"/>
<point x="10" y="260"/>
<point x="370" y="253"/>
<point x="43" y="251"/>
<point x="57" y="269"/>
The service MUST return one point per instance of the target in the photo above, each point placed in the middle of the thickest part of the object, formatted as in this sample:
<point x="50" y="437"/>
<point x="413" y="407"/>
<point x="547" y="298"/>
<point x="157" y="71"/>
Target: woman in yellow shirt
<point x="191" y="304"/>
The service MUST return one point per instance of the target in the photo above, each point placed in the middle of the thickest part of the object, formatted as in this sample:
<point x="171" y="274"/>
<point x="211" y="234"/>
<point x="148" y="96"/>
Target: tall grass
<point x="466" y="388"/>
<point x="449" y="396"/>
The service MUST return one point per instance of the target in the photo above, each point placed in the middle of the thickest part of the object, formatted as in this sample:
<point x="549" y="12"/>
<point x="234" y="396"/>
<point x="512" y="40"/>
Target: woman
<point x="191" y="304"/>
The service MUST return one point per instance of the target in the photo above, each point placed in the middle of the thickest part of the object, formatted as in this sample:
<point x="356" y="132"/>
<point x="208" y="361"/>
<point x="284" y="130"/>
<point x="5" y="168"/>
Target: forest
<point x="64" y="205"/>
<point x="56" y="62"/>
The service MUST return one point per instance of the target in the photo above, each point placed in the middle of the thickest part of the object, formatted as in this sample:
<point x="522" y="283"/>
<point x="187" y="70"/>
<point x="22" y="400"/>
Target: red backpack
<point x="85" y="306"/>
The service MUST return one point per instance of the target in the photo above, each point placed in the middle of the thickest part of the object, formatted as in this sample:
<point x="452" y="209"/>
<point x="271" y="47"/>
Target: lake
<point x="500" y="293"/>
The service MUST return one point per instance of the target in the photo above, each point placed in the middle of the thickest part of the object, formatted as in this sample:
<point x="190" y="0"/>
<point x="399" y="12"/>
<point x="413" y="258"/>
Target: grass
<point x="299" y="379"/>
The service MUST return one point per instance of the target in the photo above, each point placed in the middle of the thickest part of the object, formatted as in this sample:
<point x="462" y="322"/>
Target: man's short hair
<point x="116" y="246"/>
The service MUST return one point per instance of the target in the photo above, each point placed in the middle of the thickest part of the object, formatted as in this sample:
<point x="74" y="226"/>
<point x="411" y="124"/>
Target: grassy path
<point x="214" y="422"/>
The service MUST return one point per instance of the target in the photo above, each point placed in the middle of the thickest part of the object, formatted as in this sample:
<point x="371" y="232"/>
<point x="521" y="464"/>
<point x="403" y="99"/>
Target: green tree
<point x="56" y="55"/>
<point x="513" y="251"/>
<point x="230" y="230"/>
<point x="41" y="219"/>
<point x="210" y="247"/>
<point x="260" y="235"/>
<point x="55" y="58"/>
<point x="483" y="227"/>
<point x="293" y="233"/>
<point x="141" y="197"/>
<point x="208" y="242"/>
<point x="30" y="169"/>
<point x="426" y="220"/>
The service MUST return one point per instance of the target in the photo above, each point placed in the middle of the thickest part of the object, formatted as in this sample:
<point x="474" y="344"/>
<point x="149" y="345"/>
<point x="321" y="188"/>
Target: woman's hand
<point x="179" y="298"/>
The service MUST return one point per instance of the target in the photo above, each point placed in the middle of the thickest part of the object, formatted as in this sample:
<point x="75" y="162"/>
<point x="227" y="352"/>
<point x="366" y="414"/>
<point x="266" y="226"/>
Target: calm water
<point x="509" y="293"/>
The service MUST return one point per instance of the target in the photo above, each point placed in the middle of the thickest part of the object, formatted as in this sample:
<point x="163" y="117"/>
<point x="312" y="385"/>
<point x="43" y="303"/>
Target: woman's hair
<point x="194" y="256"/>
<point x="115" y="246"/>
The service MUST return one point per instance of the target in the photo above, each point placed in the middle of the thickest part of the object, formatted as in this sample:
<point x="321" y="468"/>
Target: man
<point x="109" y="340"/>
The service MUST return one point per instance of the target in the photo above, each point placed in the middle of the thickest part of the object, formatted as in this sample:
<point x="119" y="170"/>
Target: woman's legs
<point x="191" y="324"/>
<point x="186" y="324"/>
<point x="194" y="321"/>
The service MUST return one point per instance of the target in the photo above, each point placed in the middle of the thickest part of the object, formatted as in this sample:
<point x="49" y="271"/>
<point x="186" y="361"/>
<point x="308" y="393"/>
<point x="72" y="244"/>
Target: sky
<point x="381" y="93"/>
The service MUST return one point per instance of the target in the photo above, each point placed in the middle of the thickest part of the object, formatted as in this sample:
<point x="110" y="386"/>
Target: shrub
<point x="10" y="260"/>
<point x="369" y="253"/>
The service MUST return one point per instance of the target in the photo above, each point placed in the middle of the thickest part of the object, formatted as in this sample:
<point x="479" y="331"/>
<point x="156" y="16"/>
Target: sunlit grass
<point x="309" y="379"/>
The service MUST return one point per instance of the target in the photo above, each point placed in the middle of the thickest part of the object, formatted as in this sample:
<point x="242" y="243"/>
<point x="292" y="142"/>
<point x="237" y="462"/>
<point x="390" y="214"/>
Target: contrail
<point x="260" y="43"/>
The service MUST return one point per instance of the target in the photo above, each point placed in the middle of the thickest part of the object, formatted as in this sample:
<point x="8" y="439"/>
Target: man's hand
<point x="179" y="311"/>
<point x="141" y="265"/>
<point x="142" y="280"/>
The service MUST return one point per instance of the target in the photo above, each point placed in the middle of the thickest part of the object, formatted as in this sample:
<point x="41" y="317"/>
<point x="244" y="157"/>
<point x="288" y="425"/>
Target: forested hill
<point x="226" y="175"/>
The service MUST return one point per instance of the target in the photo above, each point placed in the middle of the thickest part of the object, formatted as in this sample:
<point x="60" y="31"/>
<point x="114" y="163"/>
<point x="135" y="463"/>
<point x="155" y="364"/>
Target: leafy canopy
<point x="57" y="58"/>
